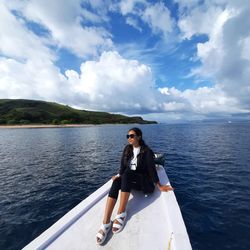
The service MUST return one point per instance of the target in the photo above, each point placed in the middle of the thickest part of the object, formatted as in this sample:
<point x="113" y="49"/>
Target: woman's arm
<point x="153" y="173"/>
<point x="164" y="188"/>
<point x="122" y="165"/>
<point x="115" y="177"/>
<point x="151" y="166"/>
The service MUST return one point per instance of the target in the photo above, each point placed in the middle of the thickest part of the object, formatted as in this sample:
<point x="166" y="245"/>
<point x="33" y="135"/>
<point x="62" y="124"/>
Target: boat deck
<point x="153" y="222"/>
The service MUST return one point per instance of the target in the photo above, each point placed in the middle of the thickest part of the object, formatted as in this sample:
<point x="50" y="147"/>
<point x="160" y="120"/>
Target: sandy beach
<point x="45" y="126"/>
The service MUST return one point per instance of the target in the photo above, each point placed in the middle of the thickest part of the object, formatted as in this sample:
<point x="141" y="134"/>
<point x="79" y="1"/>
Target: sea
<point x="46" y="172"/>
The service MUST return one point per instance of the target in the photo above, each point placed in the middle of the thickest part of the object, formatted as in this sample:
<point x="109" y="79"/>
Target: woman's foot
<point x="103" y="232"/>
<point x="119" y="222"/>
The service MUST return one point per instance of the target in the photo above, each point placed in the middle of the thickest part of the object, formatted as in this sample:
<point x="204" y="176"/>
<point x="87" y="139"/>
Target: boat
<point x="154" y="221"/>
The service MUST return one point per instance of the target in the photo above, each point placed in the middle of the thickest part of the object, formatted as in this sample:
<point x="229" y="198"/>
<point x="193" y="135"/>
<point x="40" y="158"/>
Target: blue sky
<point x="170" y="61"/>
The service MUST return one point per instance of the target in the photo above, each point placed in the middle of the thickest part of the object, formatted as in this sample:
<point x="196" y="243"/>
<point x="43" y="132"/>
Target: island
<point x="24" y="112"/>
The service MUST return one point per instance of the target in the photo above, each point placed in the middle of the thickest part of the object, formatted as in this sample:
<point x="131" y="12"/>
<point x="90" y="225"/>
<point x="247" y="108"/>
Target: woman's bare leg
<point x="122" y="206"/>
<point x="110" y="204"/>
<point x="123" y="202"/>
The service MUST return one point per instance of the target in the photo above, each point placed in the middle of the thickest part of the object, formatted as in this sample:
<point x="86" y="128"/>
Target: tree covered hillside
<point x="21" y="111"/>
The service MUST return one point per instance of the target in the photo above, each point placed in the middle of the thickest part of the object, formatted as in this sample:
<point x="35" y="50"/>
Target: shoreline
<point x="45" y="126"/>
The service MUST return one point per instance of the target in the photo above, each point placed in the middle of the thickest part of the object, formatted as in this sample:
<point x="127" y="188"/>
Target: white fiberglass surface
<point x="153" y="222"/>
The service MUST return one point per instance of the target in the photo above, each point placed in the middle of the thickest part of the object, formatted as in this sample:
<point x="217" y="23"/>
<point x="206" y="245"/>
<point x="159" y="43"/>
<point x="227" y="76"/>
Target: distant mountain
<point x="21" y="111"/>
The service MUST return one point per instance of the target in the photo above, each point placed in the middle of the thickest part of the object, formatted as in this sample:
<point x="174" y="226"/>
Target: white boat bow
<point x="153" y="222"/>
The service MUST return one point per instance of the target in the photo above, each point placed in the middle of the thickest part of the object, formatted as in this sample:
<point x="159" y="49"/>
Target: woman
<point x="138" y="172"/>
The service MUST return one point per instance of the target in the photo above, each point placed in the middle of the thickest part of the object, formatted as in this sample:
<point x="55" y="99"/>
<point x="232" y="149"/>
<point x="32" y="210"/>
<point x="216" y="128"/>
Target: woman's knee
<point x="114" y="190"/>
<point x="126" y="177"/>
<point x="126" y="182"/>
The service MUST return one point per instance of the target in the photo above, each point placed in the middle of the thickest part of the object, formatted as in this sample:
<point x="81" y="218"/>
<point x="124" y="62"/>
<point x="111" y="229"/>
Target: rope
<point x="170" y="240"/>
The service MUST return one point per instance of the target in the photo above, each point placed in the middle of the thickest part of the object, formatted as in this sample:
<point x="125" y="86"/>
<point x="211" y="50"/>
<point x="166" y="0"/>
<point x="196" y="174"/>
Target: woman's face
<point x="133" y="139"/>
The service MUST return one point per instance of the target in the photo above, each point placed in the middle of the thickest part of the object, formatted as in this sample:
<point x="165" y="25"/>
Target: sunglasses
<point x="131" y="136"/>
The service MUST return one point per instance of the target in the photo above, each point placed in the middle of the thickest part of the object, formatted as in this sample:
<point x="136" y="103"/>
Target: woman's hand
<point x="165" y="188"/>
<point x="115" y="177"/>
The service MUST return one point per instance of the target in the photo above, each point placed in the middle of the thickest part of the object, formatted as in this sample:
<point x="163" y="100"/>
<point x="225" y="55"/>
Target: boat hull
<point x="153" y="222"/>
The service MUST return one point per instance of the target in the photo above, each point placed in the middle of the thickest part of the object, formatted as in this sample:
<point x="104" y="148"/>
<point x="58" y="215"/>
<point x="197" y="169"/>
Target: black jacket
<point x="145" y="166"/>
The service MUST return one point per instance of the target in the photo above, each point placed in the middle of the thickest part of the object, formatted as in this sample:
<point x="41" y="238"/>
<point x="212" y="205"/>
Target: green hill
<point x="19" y="111"/>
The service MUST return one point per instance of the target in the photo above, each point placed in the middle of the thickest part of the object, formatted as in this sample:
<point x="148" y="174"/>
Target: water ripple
<point x="46" y="172"/>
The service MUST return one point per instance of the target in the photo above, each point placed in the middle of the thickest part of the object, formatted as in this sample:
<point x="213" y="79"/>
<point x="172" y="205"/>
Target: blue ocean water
<point x="46" y="172"/>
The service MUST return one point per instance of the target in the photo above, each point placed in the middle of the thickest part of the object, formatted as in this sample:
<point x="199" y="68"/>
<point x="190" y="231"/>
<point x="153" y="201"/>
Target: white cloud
<point x="18" y="42"/>
<point x="114" y="83"/>
<point x="203" y="100"/>
<point x="64" y="20"/>
<point x="199" y="21"/>
<point x="158" y="18"/>
<point x="225" y="56"/>
<point x="211" y="53"/>
<point x="245" y="48"/>
<point x="129" y="6"/>
<point x="174" y="106"/>
<point x="24" y="80"/>
<point x="222" y="56"/>
<point x="187" y="3"/>
<point x="133" y="22"/>
<point x="90" y="16"/>
<point x="210" y="100"/>
<point x="110" y="82"/>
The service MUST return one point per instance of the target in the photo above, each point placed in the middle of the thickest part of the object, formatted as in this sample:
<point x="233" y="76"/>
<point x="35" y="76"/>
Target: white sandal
<point x="102" y="236"/>
<point x="121" y="219"/>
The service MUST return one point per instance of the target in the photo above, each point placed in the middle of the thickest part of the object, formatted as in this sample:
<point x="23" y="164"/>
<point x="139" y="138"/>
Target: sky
<point x="169" y="61"/>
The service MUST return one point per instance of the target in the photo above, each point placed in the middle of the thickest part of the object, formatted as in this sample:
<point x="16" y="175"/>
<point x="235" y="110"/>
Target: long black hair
<point x="138" y="132"/>
<point x="128" y="153"/>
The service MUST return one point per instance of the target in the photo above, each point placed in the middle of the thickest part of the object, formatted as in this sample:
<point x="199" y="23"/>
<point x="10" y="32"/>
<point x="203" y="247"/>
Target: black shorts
<point x="130" y="179"/>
